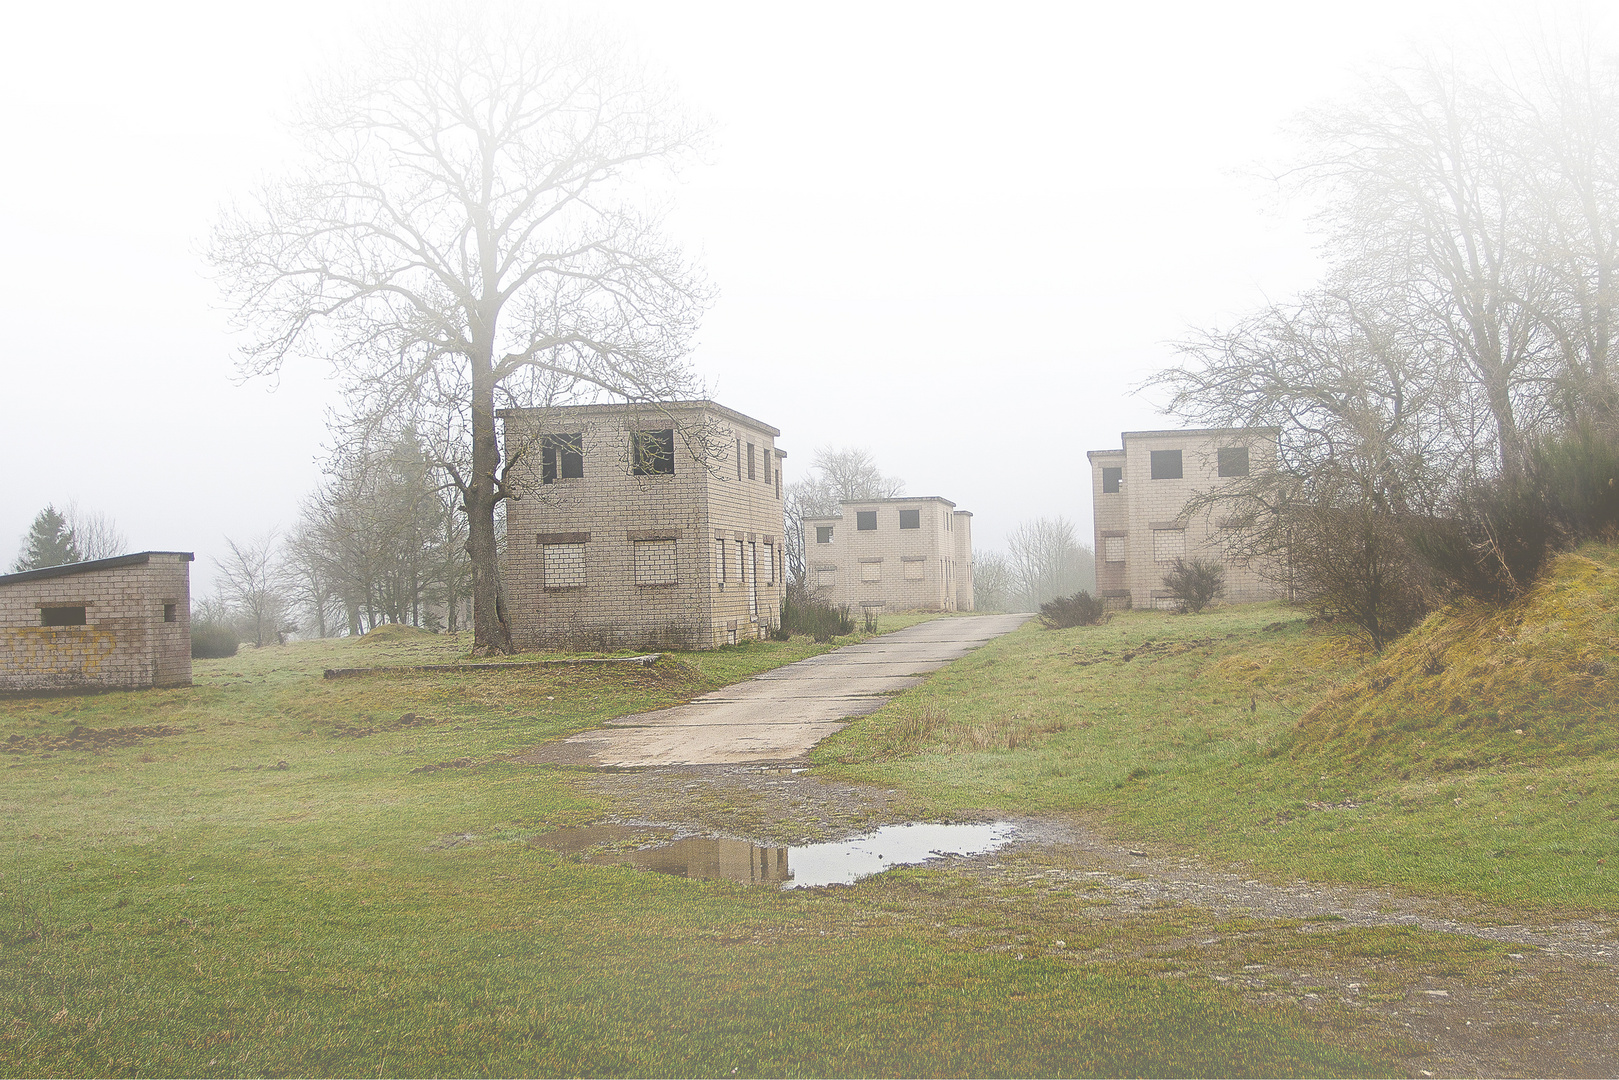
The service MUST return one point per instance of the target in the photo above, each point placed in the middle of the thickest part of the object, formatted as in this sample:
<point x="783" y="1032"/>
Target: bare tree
<point x="463" y="232"/>
<point x="994" y="588"/>
<point x="836" y="475"/>
<point x="97" y="534"/>
<point x="250" y="585"/>
<point x="1046" y="561"/>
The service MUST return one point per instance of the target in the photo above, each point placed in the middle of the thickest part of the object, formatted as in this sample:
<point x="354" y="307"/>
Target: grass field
<point x="279" y="887"/>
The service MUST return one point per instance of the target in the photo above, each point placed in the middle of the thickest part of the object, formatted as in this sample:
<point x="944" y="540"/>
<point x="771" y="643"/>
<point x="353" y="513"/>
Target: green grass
<point x="1184" y="730"/>
<point x="268" y="893"/>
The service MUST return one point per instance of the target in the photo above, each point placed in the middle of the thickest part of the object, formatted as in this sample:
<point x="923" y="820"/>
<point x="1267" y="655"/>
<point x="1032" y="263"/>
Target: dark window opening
<point x="739" y="459"/>
<point x="752" y="474"/>
<point x="1166" y="464"/>
<point x="910" y="519"/>
<point x="1234" y="461"/>
<point x="1112" y="477"/>
<point x="654" y="453"/>
<point x="171" y="613"/>
<point x="865" y="520"/>
<point x="61" y="616"/>
<point x="765" y="453"/>
<point x="562" y="457"/>
<point x="823" y="534"/>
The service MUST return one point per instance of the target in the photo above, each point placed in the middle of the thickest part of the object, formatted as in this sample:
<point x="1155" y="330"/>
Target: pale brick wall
<point x="136" y="634"/>
<point x="892" y="568"/>
<point x="682" y="560"/>
<point x="1143" y="525"/>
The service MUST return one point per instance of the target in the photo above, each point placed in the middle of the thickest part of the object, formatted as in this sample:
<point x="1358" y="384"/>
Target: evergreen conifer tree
<point x="50" y="542"/>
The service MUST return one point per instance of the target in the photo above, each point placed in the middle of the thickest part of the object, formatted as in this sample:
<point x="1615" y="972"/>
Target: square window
<point x="562" y="457"/>
<point x="871" y="571"/>
<point x="913" y="569"/>
<point x="1112" y="477"/>
<point x="1168" y="544"/>
<point x="62" y="616"/>
<point x="823" y="534"/>
<point x="1234" y="461"/>
<point x="825" y="579"/>
<point x="1112" y="549"/>
<point x="564" y="566"/>
<point x="171" y="613"/>
<point x="655" y="562"/>
<point x="910" y="519"/>
<point x="1166" y="465"/>
<point x="865" y="520"/>
<point x="653" y="453"/>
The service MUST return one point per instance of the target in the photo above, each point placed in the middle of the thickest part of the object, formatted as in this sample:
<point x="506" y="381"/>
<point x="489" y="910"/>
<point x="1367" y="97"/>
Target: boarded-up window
<point x="825" y="579"/>
<point x="655" y="562"/>
<point x="1234" y="461"/>
<point x="865" y="520"/>
<point x="1166" y="465"/>
<point x="1168" y="544"/>
<point x="913" y="569"/>
<point x="910" y="519"/>
<point x="752" y="471"/>
<point x="564" y="566"/>
<point x="823" y="534"/>
<point x="62" y="616"/>
<point x="562" y="457"/>
<point x="653" y="453"/>
<point x="770" y="564"/>
<point x="1112" y="549"/>
<point x="719" y="560"/>
<point x="871" y="571"/>
<point x="1112" y="477"/>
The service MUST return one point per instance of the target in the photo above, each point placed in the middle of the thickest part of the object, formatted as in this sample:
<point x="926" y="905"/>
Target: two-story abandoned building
<point x="1140" y="494"/>
<point x="905" y="554"/>
<point x="642" y="525"/>
<point x="109" y="624"/>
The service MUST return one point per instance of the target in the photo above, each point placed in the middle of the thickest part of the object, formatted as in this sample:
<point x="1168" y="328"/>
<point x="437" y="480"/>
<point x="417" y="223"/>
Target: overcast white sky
<point x="958" y="235"/>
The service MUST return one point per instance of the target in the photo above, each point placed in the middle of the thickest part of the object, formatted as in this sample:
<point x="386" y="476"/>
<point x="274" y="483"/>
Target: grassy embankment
<point x="1477" y="759"/>
<point x="272" y="889"/>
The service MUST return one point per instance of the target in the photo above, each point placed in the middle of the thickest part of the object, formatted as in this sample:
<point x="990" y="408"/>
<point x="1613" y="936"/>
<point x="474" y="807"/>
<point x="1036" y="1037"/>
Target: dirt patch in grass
<point x="87" y="738"/>
<point x="406" y="720"/>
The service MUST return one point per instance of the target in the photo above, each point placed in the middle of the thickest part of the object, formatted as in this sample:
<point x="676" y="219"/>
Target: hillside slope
<point x="1477" y="684"/>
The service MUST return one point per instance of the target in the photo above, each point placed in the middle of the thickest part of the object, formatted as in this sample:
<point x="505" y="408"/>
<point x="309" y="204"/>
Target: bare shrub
<point x="1080" y="609"/>
<point x="1194" y="584"/>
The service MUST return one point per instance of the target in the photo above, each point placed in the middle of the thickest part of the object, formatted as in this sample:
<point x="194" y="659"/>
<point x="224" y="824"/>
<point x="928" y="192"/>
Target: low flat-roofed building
<point x="1141" y="494"/>
<point x="902" y="554"/>
<point x="643" y="526"/>
<point x="109" y="624"/>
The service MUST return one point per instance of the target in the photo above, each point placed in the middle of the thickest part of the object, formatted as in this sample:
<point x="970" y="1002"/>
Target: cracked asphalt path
<point x="778" y="715"/>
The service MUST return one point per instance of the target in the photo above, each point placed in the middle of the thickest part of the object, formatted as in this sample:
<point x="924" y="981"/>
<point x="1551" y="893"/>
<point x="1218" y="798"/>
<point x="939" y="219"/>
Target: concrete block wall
<point x="1143" y="526"/>
<point x="613" y="559"/>
<point x="890" y="568"/>
<point x="136" y="633"/>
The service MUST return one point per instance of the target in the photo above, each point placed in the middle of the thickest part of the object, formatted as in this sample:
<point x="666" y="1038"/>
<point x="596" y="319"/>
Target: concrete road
<point x="779" y="715"/>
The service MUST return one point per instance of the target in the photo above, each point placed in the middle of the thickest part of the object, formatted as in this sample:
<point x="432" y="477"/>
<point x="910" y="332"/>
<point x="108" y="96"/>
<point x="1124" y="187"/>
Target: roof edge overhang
<point x="44" y="573"/>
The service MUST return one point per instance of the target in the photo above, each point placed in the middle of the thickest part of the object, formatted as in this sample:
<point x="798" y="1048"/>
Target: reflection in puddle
<point x="789" y="867"/>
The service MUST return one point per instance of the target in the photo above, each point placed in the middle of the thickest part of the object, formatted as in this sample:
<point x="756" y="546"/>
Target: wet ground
<point x="1547" y="1008"/>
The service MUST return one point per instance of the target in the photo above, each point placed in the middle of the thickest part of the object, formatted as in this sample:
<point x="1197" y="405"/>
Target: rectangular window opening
<point x="823" y="534"/>
<point x="1166" y="465"/>
<point x="752" y="472"/>
<point x="62" y="616"/>
<point x="865" y="520"/>
<point x="654" y="453"/>
<point x="171" y="613"/>
<point x="562" y="457"/>
<point x="910" y="519"/>
<point x="1112" y="477"/>
<point x="1234" y="461"/>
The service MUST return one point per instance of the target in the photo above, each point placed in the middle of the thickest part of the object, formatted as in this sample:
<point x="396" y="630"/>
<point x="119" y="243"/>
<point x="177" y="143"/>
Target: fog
<point x="955" y="235"/>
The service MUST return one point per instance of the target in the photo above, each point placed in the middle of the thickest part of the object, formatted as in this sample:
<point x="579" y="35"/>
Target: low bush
<point x="802" y="612"/>
<point x="1081" y="609"/>
<point x="212" y="640"/>
<point x="1194" y="584"/>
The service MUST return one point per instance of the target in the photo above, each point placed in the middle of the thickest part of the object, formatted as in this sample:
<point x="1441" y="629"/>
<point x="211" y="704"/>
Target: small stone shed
<point x="109" y="624"/>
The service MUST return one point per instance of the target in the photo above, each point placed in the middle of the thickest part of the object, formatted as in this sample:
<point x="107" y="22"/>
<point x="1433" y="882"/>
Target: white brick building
<point x="1140" y="495"/>
<point x="905" y="554"/>
<point x="643" y="525"/>
<point x="110" y="624"/>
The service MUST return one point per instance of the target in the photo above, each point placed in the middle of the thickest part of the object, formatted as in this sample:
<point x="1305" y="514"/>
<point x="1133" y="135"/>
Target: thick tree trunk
<point x="491" y="631"/>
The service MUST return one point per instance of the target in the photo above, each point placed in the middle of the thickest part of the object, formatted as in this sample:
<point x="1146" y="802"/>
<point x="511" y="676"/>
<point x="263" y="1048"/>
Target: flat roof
<point x="633" y="406"/>
<point x="879" y="502"/>
<point x="1201" y="431"/>
<point x="69" y="569"/>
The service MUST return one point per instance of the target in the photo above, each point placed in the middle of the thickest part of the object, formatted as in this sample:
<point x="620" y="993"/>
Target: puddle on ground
<point x="796" y="867"/>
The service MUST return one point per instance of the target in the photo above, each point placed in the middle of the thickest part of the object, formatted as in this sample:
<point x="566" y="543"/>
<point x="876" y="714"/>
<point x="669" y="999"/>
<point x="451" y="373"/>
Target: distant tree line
<point x="1448" y="397"/>
<point x="1043" y="561"/>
